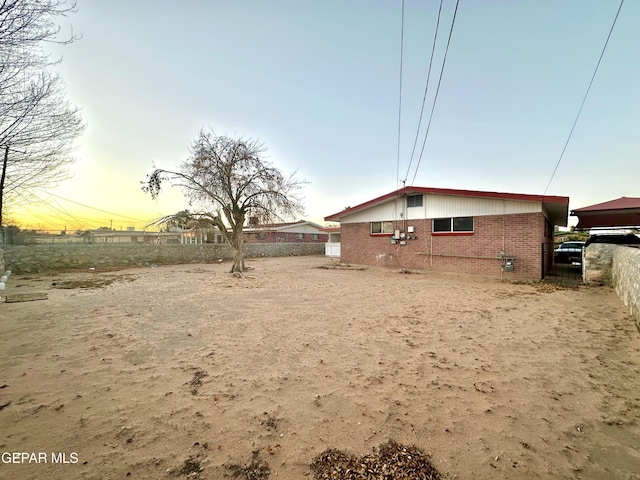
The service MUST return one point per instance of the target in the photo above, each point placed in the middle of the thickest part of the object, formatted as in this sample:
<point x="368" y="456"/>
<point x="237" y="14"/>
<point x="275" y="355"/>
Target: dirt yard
<point x="189" y="372"/>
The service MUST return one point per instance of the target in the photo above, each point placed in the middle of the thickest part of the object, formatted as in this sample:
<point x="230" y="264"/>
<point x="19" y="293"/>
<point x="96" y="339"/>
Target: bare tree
<point x="230" y="181"/>
<point x="37" y="125"/>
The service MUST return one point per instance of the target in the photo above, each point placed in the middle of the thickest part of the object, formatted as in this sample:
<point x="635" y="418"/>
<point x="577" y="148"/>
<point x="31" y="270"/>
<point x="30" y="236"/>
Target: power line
<point x="585" y="98"/>
<point x="60" y="213"/>
<point x="400" y="93"/>
<point x="54" y="214"/>
<point x="78" y="220"/>
<point x="63" y="215"/>
<point x="96" y="209"/>
<point x="426" y="87"/>
<point x="45" y="222"/>
<point x="435" y="98"/>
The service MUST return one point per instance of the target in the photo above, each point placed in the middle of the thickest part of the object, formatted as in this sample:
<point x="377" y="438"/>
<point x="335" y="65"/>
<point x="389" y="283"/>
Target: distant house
<point x="448" y="230"/>
<point x="300" y="232"/>
<point x="130" y="235"/>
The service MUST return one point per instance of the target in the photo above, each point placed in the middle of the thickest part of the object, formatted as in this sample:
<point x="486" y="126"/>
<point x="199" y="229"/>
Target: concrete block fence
<point x="625" y="273"/>
<point x="57" y="257"/>
<point x="618" y="267"/>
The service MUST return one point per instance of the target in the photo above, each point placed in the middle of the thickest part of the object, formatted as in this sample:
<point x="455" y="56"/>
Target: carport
<point x="624" y="212"/>
<point x="621" y="213"/>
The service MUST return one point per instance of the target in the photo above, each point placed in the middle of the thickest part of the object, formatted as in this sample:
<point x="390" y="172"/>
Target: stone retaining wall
<point x="625" y="273"/>
<point x="48" y="258"/>
<point x="598" y="259"/>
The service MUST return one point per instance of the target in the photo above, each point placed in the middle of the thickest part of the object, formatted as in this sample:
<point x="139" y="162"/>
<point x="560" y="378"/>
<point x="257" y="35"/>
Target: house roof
<point x="281" y="226"/>
<point x="621" y="203"/>
<point x="557" y="207"/>
<point x="621" y="212"/>
<point x="130" y="233"/>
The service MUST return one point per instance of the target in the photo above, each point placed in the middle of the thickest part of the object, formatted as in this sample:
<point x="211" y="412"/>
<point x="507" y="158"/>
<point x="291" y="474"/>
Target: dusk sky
<point x="318" y="83"/>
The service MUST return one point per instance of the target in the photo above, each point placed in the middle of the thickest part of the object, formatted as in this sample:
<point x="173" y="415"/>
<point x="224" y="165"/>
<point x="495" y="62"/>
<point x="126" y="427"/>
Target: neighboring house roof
<point x="100" y="231"/>
<point x="274" y="227"/>
<point x="129" y="233"/>
<point x="621" y="212"/>
<point x="621" y="203"/>
<point x="557" y="207"/>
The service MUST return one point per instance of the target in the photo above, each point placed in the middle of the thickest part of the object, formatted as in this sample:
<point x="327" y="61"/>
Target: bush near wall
<point x="51" y="258"/>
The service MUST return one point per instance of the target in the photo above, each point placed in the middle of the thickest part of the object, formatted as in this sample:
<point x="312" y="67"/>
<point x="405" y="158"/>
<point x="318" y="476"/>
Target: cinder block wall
<point x="598" y="261"/>
<point x="56" y="257"/>
<point x="625" y="275"/>
<point x="519" y="235"/>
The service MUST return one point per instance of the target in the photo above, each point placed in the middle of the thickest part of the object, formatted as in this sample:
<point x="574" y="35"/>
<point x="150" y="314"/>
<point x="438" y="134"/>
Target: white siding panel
<point x="378" y="213"/>
<point x="415" y="213"/>
<point x="439" y="206"/>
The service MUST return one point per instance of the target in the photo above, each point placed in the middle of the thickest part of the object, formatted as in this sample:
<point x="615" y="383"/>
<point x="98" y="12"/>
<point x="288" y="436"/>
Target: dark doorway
<point x="562" y="263"/>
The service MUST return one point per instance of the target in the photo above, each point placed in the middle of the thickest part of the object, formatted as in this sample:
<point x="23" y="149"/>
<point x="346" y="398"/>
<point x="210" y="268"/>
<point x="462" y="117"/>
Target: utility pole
<point x="4" y="174"/>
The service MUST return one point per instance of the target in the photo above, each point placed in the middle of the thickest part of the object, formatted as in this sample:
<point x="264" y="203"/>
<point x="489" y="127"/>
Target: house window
<point x="455" y="224"/>
<point x="463" y="224"/>
<point x="299" y="236"/>
<point x="414" y="201"/>
<point x="315" y="236"/>
<point x="381" y="228"/>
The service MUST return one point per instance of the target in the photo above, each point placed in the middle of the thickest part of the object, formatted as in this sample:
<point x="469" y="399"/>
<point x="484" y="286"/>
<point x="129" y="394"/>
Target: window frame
<point x="453" y="230"/>
<point x="382" y="232"/>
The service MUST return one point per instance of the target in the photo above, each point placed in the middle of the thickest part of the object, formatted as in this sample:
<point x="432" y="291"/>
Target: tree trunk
<point x="238" y="254"/>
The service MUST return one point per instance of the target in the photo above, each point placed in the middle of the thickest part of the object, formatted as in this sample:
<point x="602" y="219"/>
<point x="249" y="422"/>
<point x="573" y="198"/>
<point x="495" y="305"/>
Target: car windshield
<point x="571" y="245"/>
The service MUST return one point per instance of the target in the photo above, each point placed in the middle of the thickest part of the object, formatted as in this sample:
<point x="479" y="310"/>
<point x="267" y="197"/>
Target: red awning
<point x="622" y="212"/>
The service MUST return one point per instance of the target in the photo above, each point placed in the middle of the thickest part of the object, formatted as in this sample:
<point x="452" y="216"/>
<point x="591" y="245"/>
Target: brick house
<point x="446" y="230"/>
<point x="293" y="232"/>
<point x="130" y="235"/>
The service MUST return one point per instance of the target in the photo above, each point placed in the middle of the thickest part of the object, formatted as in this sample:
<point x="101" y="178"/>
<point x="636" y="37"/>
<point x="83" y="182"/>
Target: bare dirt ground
<point x="188" y="372"/>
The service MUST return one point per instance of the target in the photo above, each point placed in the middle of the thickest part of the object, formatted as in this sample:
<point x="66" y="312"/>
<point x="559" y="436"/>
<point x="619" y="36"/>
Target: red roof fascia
<point x="449" y="191"/>
<point x="621" y="203"/>
<point x="609" y="220"/>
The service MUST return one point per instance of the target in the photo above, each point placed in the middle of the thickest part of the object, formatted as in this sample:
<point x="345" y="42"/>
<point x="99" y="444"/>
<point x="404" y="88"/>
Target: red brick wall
<point x="518" y="235"/>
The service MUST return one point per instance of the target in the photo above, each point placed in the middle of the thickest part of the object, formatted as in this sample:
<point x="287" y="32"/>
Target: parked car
<point x="569" y="252"/>
<point x="614" y="239"/>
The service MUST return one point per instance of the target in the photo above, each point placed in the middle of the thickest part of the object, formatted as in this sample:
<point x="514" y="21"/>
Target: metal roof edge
<point x="453" y="192"/>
